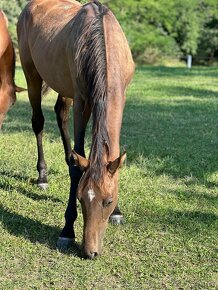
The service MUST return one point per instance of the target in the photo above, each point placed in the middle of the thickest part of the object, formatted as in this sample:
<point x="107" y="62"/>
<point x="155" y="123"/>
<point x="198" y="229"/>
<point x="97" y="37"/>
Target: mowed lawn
<point x="168" y="192"/>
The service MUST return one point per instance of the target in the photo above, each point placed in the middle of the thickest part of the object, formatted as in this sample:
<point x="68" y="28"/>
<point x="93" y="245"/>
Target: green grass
<point x="168" y="192"/>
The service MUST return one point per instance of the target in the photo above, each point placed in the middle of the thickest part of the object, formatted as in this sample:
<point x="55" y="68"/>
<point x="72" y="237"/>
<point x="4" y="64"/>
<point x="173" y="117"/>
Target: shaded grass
<point x="168" y="192"/>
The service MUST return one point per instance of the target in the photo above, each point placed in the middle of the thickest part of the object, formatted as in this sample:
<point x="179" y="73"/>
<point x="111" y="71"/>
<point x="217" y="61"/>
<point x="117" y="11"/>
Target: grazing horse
<point x="81" y="53"/>
<point x="8" y="88"/>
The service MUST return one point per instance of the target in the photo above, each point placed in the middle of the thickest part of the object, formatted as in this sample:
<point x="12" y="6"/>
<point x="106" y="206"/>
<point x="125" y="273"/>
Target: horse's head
<point x="98" y="200"/>
<point x="7" y="99"/>
<point x="8" y="88"/>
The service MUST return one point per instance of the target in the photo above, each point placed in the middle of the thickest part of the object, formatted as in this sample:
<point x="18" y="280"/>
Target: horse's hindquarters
<point x="45" y="43"/>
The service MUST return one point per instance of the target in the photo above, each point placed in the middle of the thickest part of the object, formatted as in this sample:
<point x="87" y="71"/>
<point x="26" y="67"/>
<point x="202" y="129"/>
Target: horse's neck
<point x="7" y="65"/>
<point x="113" y="123"/>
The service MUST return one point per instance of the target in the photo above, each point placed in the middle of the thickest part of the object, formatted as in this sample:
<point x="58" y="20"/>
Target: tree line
<point x="157" y="29"/>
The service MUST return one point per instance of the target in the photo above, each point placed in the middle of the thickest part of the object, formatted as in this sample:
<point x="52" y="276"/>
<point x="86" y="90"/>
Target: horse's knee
<point x="75" y="172"/>
<point x="38" y="124"/>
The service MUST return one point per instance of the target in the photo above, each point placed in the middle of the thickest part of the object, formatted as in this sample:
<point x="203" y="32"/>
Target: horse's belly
<point x="56" y="73"/>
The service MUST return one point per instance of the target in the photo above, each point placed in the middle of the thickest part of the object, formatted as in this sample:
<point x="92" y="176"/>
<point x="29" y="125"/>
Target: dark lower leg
<point x="116" y="211"/>
<point x="116" y="216"/>
<point x="34" y="83"/>
<point x="37" y="124"/>
<point x="71" y="211"/>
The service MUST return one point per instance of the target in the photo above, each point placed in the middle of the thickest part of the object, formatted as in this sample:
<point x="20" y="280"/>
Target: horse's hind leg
<point x="116" y="217"/>
<point x="34" y="91"/>
<point x="34" y="83"/>
<point x="62" y="108"/>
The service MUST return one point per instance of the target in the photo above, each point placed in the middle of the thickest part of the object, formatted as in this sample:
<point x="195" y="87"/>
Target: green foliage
<point x="187" y="27"/>
<point x="165" y="27"/>
<point x="208" y="42"/>
<point x="12" y="9"/>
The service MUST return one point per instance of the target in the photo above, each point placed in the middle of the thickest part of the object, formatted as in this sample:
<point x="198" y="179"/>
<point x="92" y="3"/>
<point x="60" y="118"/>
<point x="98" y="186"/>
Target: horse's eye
<point x="108" y="201"/>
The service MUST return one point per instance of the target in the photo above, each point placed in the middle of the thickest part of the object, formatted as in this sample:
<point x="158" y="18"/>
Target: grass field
<point x="168" y="192"/>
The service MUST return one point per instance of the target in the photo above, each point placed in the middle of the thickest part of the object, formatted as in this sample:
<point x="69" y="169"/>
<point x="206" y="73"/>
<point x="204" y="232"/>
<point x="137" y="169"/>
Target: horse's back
<point x="50" y="16"/>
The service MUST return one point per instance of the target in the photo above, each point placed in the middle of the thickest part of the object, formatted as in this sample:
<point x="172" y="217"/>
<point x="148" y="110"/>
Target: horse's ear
<point x="80" y="161"/>
<point x="19" y="89"/>
<point x="117" y="163"/>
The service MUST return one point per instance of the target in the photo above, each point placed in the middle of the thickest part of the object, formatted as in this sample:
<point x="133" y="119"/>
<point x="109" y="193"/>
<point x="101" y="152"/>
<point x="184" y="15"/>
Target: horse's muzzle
<point x="90" y="255"/>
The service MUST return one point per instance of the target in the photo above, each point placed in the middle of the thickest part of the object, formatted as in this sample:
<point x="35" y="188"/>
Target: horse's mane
<point x="91" y="66"/>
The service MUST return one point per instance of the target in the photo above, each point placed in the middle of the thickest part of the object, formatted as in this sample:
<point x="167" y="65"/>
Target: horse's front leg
<point x="81" y="118"/>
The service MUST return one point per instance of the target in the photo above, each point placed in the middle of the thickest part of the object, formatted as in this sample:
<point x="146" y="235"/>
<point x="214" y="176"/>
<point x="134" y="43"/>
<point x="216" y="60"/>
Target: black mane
<point x="91" y="65"/>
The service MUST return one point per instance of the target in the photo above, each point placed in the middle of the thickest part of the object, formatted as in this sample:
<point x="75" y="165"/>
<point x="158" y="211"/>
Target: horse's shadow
<point x="177" y="139"/>
<point x="171" y="72"/>
<point x="34" y="231"/>
<point x="30" y="229"/>
<point x="22" y="190"/>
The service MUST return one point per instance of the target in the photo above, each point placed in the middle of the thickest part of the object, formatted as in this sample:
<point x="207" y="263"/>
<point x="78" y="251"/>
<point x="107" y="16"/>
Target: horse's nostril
<point x="93" y="255"/>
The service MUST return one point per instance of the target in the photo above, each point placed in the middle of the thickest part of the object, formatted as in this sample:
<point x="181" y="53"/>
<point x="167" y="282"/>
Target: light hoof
<point x="64" y="244"/>
<point x="116" y="219"/>
<point x="43" y="186"/>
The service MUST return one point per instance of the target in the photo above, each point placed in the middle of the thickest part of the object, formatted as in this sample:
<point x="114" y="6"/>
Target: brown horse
<point x="8" y="88"/>
<point x="80" y="52"/>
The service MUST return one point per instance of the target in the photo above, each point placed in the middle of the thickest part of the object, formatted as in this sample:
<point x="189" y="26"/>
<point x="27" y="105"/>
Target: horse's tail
<point x="92" y="68"/>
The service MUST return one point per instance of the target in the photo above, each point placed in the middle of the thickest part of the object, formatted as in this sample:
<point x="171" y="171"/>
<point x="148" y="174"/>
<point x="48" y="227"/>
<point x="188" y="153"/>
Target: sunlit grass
<point x="168" y="192"/>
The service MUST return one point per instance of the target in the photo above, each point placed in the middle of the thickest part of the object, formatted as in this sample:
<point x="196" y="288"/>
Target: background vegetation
<point x="157" y="30"/>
